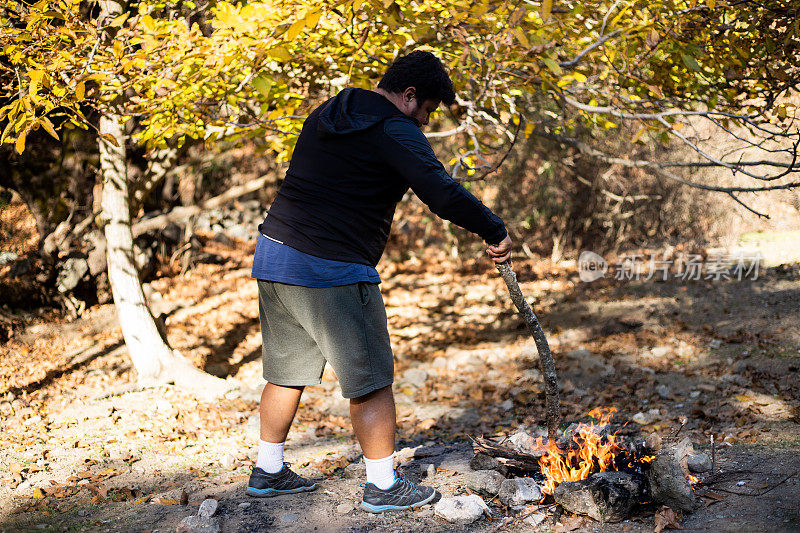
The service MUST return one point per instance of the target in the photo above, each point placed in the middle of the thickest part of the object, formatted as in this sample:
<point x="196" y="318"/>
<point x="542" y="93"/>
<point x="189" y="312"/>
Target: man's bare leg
<point x="278" y="407"/>
<point x="271" y="477"/>
<point x="374" y="418"/>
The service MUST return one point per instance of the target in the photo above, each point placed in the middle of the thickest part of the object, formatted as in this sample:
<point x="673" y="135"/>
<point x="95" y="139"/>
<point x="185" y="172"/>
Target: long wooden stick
<point x="546" y="362"/>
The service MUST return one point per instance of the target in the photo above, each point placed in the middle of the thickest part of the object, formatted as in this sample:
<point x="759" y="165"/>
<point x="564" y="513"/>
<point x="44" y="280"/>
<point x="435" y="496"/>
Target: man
<point x="357" y="155"/>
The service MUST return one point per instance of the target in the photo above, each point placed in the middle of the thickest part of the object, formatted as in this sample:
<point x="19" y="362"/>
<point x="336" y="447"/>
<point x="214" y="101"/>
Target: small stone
<point x="660" y="351"/>
<point x="534" y="519"/>
<point x="525" y="443"/>
<point x="83" y="512"/>
<point x="699" y="463"/>
<point x="208" y="507"/>
<point x="289" y="518"/>
<point x="116" y="455"/>
<point x="486" y="482"/>
<point x="653" y="442"/>
<point x="663" y="392"/>
<point x="649" y="417"/>
<point x="198" y="524"/>
<point x="416" y="377"/>
<point x="355" y="470"/>
<point x="440" y="362"/>
<point x="507" y="405"/>
<point x="163" y="405"/>
<point x="461" y="509"/>
<point x="519" y="490"/>
<point x="227" y="461"/>
<point x="482" y="461"/>
<point x="245" y="505"/>
<point x="345" y="508"/>
<point x="429" y="471"/>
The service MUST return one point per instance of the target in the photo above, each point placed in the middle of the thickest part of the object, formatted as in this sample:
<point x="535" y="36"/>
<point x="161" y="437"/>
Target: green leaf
<point x="262" y="85"/>
<point x="553" y="66"/>
<point x="691" y="62"/>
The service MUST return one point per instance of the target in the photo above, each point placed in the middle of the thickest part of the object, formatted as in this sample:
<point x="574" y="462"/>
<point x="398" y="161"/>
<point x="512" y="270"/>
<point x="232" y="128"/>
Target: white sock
<point x="380" y="472"/>
<point x="270" y="456"/>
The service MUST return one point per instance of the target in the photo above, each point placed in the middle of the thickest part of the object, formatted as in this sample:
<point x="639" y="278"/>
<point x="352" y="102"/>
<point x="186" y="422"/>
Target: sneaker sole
<point x="269" y="493"/>
<point x="368" y="507"/>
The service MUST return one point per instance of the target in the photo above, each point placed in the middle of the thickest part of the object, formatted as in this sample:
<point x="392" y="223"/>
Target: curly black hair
<point x="423" y="71"/>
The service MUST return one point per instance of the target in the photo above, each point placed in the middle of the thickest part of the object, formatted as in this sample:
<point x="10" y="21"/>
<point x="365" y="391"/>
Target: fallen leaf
<point x="38" y="493"/>
<point x="14" y="467"/>
<point x="165" y="501"/>
<point x="666" y="518"/>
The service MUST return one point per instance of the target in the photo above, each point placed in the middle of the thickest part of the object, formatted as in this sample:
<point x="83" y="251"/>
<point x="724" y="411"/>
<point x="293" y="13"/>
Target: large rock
<point x="519" y="491"/>
<point x="668" y="483"/>
<point x="486" y="482"/>
<point x="699" y="463"/>
<point x="461" y="509"/>
<point x="605" y="496"/>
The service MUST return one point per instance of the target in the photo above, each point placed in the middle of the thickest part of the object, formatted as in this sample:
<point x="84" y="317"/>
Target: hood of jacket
<point x="354" y="110"/>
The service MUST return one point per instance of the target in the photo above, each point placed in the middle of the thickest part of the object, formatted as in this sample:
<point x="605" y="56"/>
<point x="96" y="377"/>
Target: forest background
<point x="142" y="142"/>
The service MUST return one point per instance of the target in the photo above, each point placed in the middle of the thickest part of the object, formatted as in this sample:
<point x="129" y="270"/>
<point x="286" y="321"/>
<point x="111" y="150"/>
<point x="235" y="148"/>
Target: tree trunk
<point x="155" y="362"/>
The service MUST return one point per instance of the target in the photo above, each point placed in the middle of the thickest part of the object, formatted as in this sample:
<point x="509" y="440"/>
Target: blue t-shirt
<point x="275" y="261"/>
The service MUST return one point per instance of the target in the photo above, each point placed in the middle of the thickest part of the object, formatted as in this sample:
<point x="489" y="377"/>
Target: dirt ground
<point x="80" y="453"/>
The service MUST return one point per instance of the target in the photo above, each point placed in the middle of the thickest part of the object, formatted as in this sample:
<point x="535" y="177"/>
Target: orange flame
<point x="593" y="453"/>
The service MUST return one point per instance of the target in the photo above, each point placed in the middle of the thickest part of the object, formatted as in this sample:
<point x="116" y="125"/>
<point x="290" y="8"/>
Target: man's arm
<point x="410" y="154"/>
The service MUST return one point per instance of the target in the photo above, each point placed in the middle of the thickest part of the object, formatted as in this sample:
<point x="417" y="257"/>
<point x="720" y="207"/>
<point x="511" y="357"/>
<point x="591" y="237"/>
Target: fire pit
<point x="595" y="471"/>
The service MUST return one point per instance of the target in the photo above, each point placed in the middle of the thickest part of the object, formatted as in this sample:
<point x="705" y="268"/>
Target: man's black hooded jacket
<point x="355" y="158"/>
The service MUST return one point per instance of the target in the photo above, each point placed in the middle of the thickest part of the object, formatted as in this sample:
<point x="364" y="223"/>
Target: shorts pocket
<point x="363" y="292"/>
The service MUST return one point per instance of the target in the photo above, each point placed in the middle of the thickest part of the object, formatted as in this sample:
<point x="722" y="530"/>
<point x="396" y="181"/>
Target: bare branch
<point x="574" y="61"/>
<point x="760" y="215"/>
<point x="182" y="213"/>
<point x="585" y="149"/>
<point x="446" y="133"/>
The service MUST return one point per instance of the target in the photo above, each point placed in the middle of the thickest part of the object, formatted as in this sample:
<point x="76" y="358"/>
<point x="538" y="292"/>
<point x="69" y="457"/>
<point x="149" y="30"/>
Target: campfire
<point x="593" y="470"/>
<point x="589" y="451"/>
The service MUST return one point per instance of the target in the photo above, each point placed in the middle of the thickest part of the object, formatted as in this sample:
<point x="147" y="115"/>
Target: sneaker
<point x="264" y="485"/>
<point x="402" y="495"/>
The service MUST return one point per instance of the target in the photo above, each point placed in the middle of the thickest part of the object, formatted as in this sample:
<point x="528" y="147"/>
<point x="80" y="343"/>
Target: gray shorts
<point x="302" y="328"/>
